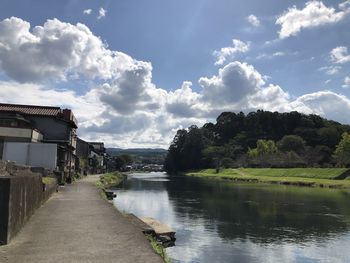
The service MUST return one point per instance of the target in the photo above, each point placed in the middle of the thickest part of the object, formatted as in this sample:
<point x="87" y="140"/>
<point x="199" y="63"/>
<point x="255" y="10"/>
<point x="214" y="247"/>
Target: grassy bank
<point x="319" y="177"/>
<point x="158" y="248"/>
<point x="109" y="180"/>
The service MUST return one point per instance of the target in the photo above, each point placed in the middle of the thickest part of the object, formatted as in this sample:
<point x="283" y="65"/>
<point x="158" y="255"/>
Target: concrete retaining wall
<point x="26" y="193"/>
<point x="21" y="193"/>
<point x="49" y="190"/>
<point x="4" y="208"/>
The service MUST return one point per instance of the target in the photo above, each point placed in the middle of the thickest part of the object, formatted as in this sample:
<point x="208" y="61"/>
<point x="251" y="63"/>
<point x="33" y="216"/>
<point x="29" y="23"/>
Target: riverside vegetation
<point x="264" y="139"/>
<point x="321" y="177"/>
<point x="158" y="248"/>
<point x="109" y="180"/>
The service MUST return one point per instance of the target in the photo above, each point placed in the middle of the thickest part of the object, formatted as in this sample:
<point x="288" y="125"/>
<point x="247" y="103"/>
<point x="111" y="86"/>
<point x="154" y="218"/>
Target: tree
<point x="119" y="163"/>
<point x="319" y="155"/>
<point x="174" y="159"/>
<point x="291" y="143"/>
<point x="185" y="152"/>
<point x="342" y="151"/>
<point x="263" y="147"/>
<point x="127" y="158"/>
<point x="263" y="155"/>
<point x="215" y="153"/>
<point x="329" y="136"/>
<point x="250" y="139"/>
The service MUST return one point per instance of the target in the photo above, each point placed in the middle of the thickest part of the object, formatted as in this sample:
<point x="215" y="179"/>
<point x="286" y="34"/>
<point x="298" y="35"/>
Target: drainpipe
<point x="70" y="167"/>
<point x="70" y="157"/>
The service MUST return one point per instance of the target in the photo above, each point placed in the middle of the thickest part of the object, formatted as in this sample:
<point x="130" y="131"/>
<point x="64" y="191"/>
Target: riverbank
<point x="109" y="180"/>
<point x="105" y="182"/>
<point x="313" y="177"/>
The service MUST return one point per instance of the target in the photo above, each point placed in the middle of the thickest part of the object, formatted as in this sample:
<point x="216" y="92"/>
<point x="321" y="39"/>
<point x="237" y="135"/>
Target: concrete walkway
<point x="76" y="225"/>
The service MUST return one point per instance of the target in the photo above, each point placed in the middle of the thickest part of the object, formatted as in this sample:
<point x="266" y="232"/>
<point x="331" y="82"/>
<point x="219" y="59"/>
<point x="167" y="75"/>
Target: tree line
<point x="260" y="139"/>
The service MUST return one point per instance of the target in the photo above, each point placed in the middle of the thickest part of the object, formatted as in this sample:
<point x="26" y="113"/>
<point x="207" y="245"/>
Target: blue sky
<point x="143" y="69"/>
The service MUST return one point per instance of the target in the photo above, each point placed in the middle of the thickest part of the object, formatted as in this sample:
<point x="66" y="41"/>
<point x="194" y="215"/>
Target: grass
<point x="49" y="180"/>
<point x="109" y="180"/>
<point x="158" y="248"/>
<point x="322" y="177"/>
<point x="319" y="173"/>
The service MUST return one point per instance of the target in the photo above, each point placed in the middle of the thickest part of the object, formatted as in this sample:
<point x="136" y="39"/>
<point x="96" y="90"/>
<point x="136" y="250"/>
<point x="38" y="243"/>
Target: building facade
<point x="42" y="124"/>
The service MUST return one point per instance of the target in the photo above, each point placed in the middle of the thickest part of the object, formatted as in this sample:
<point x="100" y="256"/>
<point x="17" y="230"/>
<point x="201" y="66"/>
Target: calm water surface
<point x="218" y="221"/>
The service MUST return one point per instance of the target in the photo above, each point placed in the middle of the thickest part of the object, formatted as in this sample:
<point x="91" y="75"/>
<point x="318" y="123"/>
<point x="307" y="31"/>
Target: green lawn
<point x="323" y="177"/>
<point x="320" y="173"/>
<point x="110" y="179"/>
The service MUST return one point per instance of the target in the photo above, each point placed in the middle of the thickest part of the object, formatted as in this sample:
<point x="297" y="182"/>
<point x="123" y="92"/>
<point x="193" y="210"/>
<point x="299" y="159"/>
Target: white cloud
<point x="184" y="102"/>
<point x="181" y="108"/>
<point x="128" y="93"/>
<point x="330" y="70"/>
<point x="314" y="14"/>
<point x="329" y="104"/>
<point x="278" y="54"/>
<point x="124" y="107"/>
<point x="270" y="56"/>
<point x="346" y="82"/>
<point x="239" y="86"/>
<point x="272" y="98"/>
<point x="56" y="51"/>
<point x="345" y="5"/>
<point x="224" y="53"/>
<point x="340" y="55"/>
<point x="101" y="13"/>
<point x="86" y="107"/>
<point x="234" y="82"/>
<point x="253" y="20"/>
<point x="87" y="11"/>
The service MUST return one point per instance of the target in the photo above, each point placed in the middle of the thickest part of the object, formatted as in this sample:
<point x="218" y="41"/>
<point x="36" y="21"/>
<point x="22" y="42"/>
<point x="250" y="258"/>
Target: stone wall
<point x="21" y="193"/>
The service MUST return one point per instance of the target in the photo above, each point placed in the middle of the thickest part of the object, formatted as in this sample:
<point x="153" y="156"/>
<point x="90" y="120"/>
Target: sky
<point x="134" y="72"/>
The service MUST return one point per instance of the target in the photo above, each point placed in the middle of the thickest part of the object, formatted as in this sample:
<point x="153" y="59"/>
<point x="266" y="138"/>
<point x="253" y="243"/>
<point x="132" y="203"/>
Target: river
<point x="221" y="221"/>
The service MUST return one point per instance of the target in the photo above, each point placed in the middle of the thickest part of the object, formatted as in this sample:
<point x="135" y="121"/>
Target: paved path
<point x="76" y="225"/>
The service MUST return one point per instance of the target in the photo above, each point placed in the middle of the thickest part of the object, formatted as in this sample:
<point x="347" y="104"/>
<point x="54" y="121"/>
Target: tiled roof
<point x="31" y="110"/>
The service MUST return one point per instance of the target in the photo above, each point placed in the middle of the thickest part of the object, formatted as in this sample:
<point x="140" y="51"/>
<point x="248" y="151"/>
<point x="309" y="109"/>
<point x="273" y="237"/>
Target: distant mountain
<point x="141" y="155"/>
<point x="136" y="151"/>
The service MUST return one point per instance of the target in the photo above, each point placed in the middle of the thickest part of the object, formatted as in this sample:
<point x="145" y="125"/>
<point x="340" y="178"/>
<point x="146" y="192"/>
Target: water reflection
<point x="219" y="221"/>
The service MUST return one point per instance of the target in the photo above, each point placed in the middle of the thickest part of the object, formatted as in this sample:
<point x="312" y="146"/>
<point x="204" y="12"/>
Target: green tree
<point x="215" y="153"/>
<point x="263" y="147"/>
<point x="342" y="151"/>
<point x="291" y="143"/>
<point x="263" y="155"/>
<point x="119" y="163"/>
<point x="127" y="158"/>
<point x="329" y="136"/>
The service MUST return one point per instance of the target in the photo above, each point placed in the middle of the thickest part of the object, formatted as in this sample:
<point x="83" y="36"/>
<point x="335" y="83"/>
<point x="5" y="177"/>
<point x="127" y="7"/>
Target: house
<point x="98" y="157"/>
<point x="99" y="147"/>
<point x="42" y="124"/>
<point x="83" y="153"/>
<point x="15" y="128"/>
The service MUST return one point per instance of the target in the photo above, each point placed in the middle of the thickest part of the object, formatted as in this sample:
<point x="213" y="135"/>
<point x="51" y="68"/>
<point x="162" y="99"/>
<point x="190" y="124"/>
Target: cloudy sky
<point x="136" y="71"/>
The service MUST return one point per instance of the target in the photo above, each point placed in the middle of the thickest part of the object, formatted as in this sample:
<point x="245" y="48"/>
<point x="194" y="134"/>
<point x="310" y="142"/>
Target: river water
<point x="221" y="221"/>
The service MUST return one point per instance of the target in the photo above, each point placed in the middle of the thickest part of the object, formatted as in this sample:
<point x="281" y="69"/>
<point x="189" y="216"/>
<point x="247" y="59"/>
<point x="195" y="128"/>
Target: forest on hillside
<point x="260" y="139"/>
